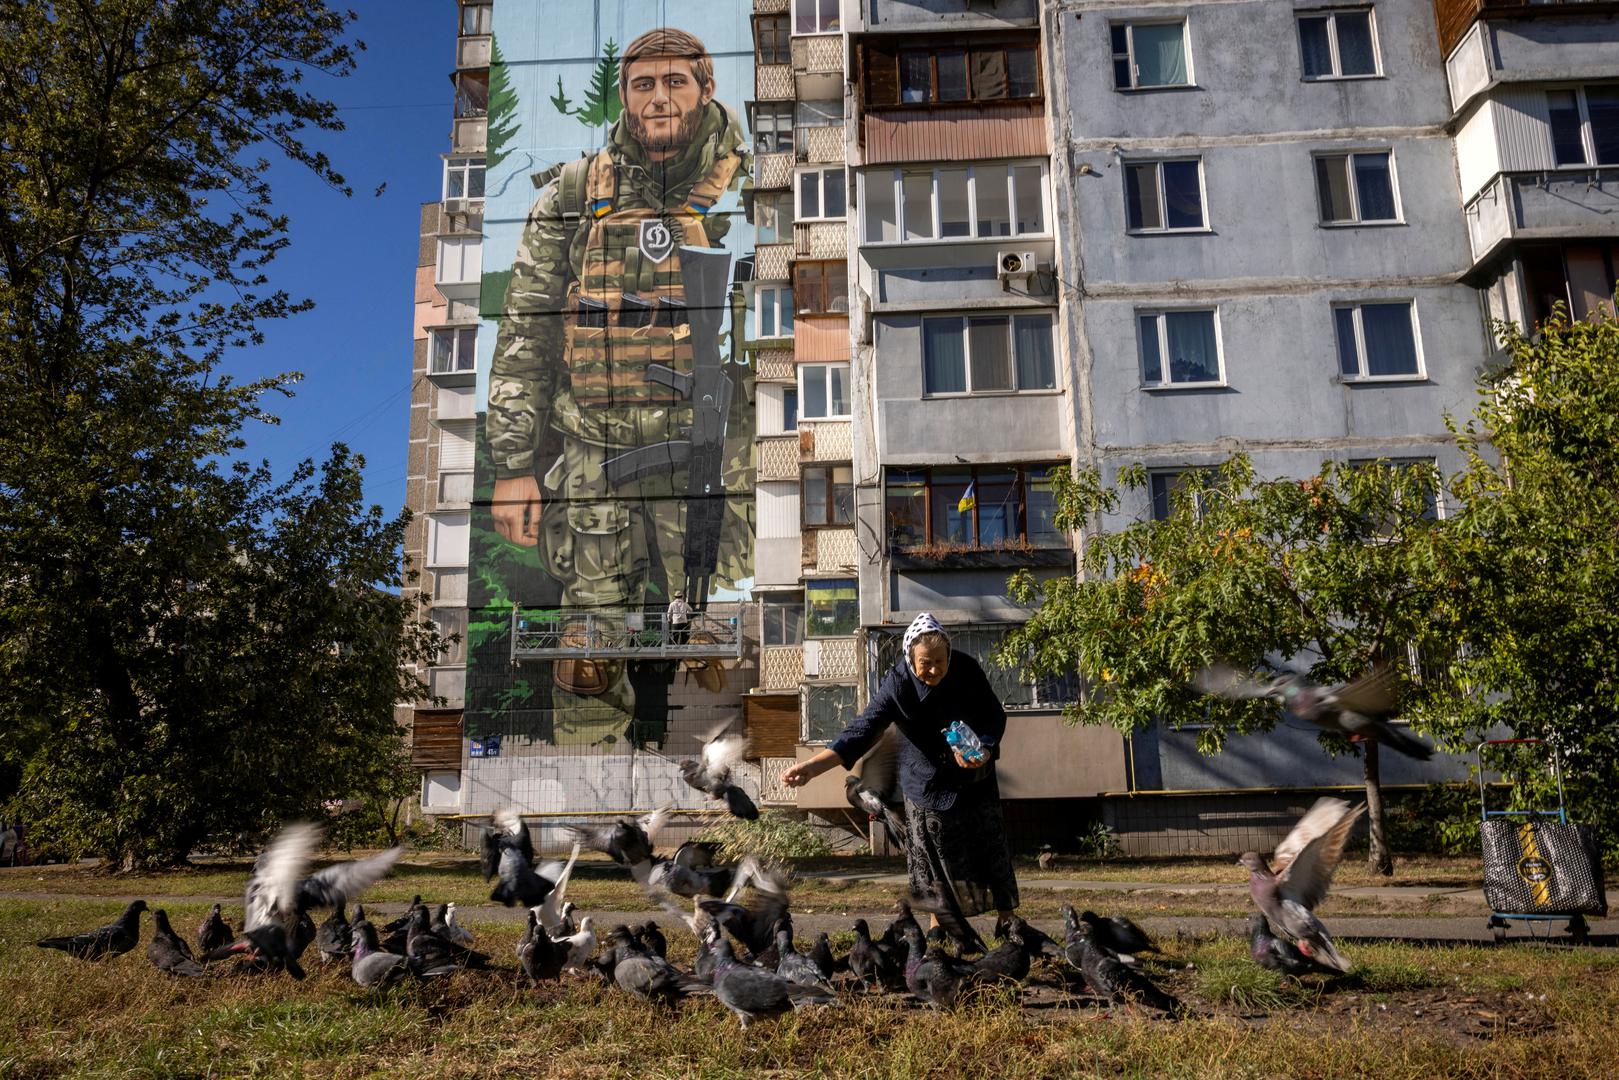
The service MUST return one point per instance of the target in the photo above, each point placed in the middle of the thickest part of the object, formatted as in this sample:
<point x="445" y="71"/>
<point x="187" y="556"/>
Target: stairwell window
<point x="1338" y="45"/>
<point x="823" y="391"/>
<point x="987" y="354"/>
<point x="1164" y="196"/>
<point x="1357" y="188"/>
<point x="1377" y="341"/>
<point x="1179" y="348"/>
<point x="1147" y="55"/>
<point x="1584" y="125"/>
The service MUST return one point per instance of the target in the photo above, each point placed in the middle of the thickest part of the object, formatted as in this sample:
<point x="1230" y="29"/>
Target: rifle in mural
<point x="706" y="274"/>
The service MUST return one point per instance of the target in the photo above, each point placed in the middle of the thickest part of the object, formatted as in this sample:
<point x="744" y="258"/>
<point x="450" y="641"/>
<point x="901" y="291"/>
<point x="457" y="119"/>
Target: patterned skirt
<point x="967" y="844"/>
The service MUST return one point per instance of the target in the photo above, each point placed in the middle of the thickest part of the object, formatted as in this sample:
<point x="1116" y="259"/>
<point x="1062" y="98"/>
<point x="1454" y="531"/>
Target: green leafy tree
<point x="1332" y="574"/>
<point x="188" y="649"/>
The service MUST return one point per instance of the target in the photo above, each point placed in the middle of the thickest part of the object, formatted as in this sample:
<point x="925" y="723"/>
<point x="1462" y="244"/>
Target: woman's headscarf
<point x="924" y="623"/>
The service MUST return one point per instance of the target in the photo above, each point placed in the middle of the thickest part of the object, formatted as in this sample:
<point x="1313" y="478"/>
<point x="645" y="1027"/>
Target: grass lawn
<point x="1511" y="1013"/>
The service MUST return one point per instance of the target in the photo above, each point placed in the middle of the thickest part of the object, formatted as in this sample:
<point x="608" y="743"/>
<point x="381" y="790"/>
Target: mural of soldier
<point x="617" y="422"/>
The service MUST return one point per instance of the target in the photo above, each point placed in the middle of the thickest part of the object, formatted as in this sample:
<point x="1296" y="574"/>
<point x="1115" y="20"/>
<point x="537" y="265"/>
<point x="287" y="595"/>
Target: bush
<point x="1441" y="819"/>
<point x="775" y="836"/>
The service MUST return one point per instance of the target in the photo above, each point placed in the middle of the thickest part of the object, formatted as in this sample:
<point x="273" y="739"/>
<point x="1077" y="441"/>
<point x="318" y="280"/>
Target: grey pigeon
<point x="540" y="958"/>
<point x="280" y="891"/>
<point x="712" y="774"/>
<point x="265" y="947"/>
<point x="335" y="937"/>
<point x="647" y="975"/>
<point x="627" y="841"/>
<point x="868" y="802"/>
<point x="794" y="965"/>
<point x="213" y="932"/>
<point x="873" y="787"/>
<point x="169" y="952"/>
<point x="652" y="940"/>
<point x="373" y="967"/>
<point x="931" y="974"/>
<point x="751" y="993"/>
<point x="1110" y="979"/>
<point x="505" y="830"/>
<point x="1274" y="954"/>
<point x="865" y="961"/>
<point x="1351" y="708"/>
<point x="426" y="950"/>
<point x="821" y="954"/>
<point x="1289" y="888"/>
<point x="755" y="924"/>
<point x="697" y="854"/>
<point x="1118" y="935"/>
<point x="1010" y="961"/>
<point x="403" y="921"/>
<point x="114" y="939"/>
<point x="689" y="881"/>
<point x="566" y="927"/>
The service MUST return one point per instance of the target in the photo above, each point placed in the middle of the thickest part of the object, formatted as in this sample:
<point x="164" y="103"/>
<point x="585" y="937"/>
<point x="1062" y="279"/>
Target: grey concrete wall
<point x="1288" y="756"/>
<point x="1207" y="825"/>
<point x="948" y="14"/>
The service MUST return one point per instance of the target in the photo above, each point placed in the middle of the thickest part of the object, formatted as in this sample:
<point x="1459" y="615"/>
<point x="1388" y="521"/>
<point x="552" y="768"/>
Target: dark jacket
<point x="928" y="773"/>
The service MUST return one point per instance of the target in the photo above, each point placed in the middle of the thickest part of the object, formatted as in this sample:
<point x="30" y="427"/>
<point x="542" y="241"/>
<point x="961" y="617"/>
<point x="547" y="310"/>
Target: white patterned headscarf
<point x="924" y="623"/>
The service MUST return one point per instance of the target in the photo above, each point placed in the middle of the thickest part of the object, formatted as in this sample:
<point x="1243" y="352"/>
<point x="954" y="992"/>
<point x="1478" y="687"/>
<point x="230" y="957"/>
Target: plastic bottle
<point x="964" y="741"/>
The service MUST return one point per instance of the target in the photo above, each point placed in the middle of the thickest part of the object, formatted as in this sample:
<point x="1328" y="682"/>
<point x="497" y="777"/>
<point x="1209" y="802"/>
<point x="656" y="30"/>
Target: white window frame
<point x="459" y="365"/>
<point x="1163" y="206"/>
<point x="464" y="164"/>
<point x="967" y="355"/>
<point x="1420" y="375"/>
<point x="1165" y="382"/>
<point x="818" y="178"/>
<point x="1129" y="55"/>
<point x="825" y="372"/>
<point x="819" y="27"/>
<point x="454" y="529"/>
<point x="897" y="176"/>
<point x="1356" y="221"/>
<point x="781" y="301"/>
<point x="1588" y="144"/>
<point x="1331" y="15"/>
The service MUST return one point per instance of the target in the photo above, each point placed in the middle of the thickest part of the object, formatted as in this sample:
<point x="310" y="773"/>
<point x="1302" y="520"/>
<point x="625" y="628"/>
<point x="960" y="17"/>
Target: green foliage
<point x="1441" y="819"/>
<point x="503" y="125"/>
<point x="602" y="105"/>
<point x="1097" y="841"/>
<point x="774" y="837"/>
<point x="188" y="648"/>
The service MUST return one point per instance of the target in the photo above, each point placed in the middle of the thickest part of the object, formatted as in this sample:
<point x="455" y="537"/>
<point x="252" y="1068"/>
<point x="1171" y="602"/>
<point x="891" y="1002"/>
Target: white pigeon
<point x="580" y="946"/>
<point x="456" y="932"/>
<point x="550" y="909"/>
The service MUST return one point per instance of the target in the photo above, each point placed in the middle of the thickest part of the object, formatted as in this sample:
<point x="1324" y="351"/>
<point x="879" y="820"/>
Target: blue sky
<point x="356" y="257"/>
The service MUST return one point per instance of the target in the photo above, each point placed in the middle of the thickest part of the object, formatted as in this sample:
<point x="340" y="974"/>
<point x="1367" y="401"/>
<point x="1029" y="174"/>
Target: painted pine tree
<point x="502" y="109"/>
<point x="602" y="104"/>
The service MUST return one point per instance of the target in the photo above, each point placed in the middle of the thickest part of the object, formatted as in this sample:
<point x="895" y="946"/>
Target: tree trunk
<point x="1378" y="857"/>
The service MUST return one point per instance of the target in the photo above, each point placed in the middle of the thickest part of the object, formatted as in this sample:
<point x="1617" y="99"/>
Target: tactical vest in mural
<point x="626" y="306"/>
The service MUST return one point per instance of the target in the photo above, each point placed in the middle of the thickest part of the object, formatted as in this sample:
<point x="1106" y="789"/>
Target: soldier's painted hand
<point x="515" y="508"/>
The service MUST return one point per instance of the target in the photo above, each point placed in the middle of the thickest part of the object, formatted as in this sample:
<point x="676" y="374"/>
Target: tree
<point x="1333" y="574"/>
<point x="188" y="649"/>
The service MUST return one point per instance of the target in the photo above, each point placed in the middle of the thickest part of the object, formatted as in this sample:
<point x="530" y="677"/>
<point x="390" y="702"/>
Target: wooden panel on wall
<point x="435" y="741"/>
<point x="772" y="723"/>
<point x="958" y="134"/>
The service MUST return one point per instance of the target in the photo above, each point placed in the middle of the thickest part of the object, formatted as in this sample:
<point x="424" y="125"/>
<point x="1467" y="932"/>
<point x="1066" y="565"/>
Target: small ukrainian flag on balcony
<point x="968" y="499"/>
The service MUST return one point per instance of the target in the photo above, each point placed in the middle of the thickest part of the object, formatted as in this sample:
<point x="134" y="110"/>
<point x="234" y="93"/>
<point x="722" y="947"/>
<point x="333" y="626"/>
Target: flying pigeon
<point x="690" y="882"/>
<point x="169" y="952"/>
<point x="751" y="993"/>
<point x="627" y="841"/>
<point x="505" y="830"/>
<point x="280" y="891"/>
<point x="754" y="925"/>
<point x="697" y="854"/>
<point x="1110" y="979"/>
<point x="213" y="932"/>
<point x="1288" y="890"/>
<point x="335" y="937"/>
<point x="551" y="908"/>
<point x="1274" y="954"/>
<point x="114" y="939"/>
<point x="873" y="788"/>
<point x="1351" y="708"/>
<point x="712" y="775"/>
<point x="540" y="958"/>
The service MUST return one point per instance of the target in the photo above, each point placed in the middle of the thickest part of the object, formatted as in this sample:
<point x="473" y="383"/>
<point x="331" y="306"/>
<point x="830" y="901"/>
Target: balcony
<point x="969" y="132"/>
<point x="770" y="7"/>
<point x="835" y="551"/>
<point x="776" y="365"/>
<point x="435" y="739"/>
<point x="773" y="82"/>
<point x="472" y="51"/>
<point x="821" y="240"/>
<point x="449" y="683"/>
<point x="770" y="262"/>
<point x="825" y="440"/>
<point x="459" y="271"/>
<point x="781" y="668"/>
<point x="778" y="457"/>
<point x="1453" y="17"/>
<point x="821" y="145"/>
<point x="818" y="66"/>
<point x="470" y="135"/>
<point x="773" y="171"/>
<point x="1571" y="204"/>
<point x="587" y="635"/>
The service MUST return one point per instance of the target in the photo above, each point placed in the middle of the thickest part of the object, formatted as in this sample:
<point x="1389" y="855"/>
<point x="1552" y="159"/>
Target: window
<point x="1149" y="54"/>
<point x="472" y="93"/>
<point x="454" y="488"/>
<point x="823" y="390"/>
<point x="1337" y="44"/>
<point x="811" y="115"/>
<point x="982" y="506"/>
<point x="463" y="178"/>
<point x="781" y="620"/>
<point x="453" y="349"/>
<point x="1356" y="189"/>
<point x="451" y="623"/>
<point x="770" y="44"/>
<point x="1377" y="341"/>
<point x="789" y="408"/>
<point x="1163" y="487"/>
<point x="831" y="607"/>
<point x="822" y="287"/>
<point x="475" y="19"/>
<point x="1426" y="471"/>
<point x="987" y="354"/>
<point x="951" y="72"/>
<point x="1164" y="196"/>
<point x="821" y="194"/>
<point x="449" y="586"/>
<point x="772" y="218"/>
<point x="1584" y="125"/>
<point x="773" y="127"/>
<point x="816" y="17"/>
<point x="944" y="204"/>
<point x="772" y="311"/>
<point x="827" y="708"/>
<point x="447" y="537"/>
<point x="828" y="495"/>
<point x="1179" y="348"/>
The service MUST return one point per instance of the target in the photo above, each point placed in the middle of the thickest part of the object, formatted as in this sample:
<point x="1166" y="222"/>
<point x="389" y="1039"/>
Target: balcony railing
<point x="1453" y="17"/>
<point x="1543" y="205"/>
<point x="771" y="790"/>
<point x="588" y="634"/>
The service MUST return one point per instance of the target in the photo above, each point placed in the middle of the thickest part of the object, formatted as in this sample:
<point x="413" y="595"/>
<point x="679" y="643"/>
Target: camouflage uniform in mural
<point x="596" y="296"/>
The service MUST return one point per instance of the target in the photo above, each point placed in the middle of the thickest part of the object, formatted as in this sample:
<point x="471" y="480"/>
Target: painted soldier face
<point x="664" y="102"/>
<point x="930" y="662"/>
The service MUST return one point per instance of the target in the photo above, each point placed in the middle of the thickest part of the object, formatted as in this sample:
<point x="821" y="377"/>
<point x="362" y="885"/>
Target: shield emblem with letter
<point x="656" y="241"/>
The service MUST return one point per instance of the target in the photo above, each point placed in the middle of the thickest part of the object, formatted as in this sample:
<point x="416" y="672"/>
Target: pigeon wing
<point x="272" y="891"/>
<point x="338" y="883"/>
<point x="723" y="753"/>
<point x="1223" y="680"/>
<point x="879" y="770"/>
<point x="1306" y="860"/>
<point x="1370" y="695"/>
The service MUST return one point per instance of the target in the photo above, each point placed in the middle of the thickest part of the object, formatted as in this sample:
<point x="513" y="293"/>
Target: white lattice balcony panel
<point x="778" y="457"/>
<point x="781" y="668"/>
<point x="835" y="549"/>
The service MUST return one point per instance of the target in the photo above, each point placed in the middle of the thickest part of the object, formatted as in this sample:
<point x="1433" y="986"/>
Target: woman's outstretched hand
<point x="965" y="764"/>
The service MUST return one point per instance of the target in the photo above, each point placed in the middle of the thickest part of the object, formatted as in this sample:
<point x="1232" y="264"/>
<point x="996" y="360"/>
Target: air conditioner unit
<point x="1014" y="264"/>
<point x="456" y="206"/>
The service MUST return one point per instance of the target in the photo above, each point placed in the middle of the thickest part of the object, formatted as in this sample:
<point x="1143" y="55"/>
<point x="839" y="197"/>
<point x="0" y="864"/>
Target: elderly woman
<point x="952" y="805"/>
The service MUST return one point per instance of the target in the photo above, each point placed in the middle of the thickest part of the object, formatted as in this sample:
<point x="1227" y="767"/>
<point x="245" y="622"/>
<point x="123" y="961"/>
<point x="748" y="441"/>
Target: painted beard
<point x="684" y="131"/>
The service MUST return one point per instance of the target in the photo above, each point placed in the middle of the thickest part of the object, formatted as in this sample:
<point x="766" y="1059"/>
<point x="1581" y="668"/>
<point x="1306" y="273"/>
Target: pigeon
<point x="114" y="939"/>
<point x="566" y="927"/>
<point x="873" y="788"/>
<point x="1288" y="890"/>
<point x="894" y="935"/>
<point x="866" y="961"/>
<point x="521" y="884"/>
<point x="627" y="841"/>
<point x="213" y="932"/>
<point x="550" y="909"/>
<point x="452" y="928"/>
<point x="168" y="950"/>
<point x="794" y="965"/>
<point x="266" y="947"/>
<point x="1046" y="857"/>
<point x="712" y="775"/>
<point x="579" y="946"/>
<point x="1274" y="954"/>
<point x="704" y="966"/>
<point x="505" y="830"/>
<point x="931" y="975"/>
<point x="651" y="938"/>
<point x="426" y="950"/>
<point x="280" y="891"/>
<point x="1009" y="961"/>
<point x="1071" y="947"/>
<point x="649" y="976"/>
<point x="403" y="922"/>
<point x="697" y="854"/>
<point x="1110" y="979"/>
<point x="821" y="955"/>
<point x="754" y="925"/>
<point x="937" y="938"/>
<point x="1351" y="708"/>
<point x="689" y="881"/>
<point x="1118" y="935"/>
<point x="373" y="967"/>
<point x="751" y="993"/>
<point x="335" y="937"/>
<point x="540" y="958"/>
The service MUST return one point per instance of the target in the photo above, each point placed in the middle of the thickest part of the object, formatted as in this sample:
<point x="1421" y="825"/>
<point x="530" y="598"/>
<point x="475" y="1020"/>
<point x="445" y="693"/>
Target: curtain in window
<point x="998" y="506"/>
<point x="1602" y="105"/>
<point x="1160" y="56"/>
<point x="1316" y="48"/>
<point x="992" y="367"/>
<point x="1183" y="195"/>
<point x="944" y="356"/>
<point x="1373" y="185"/>
<point x="1036" y="360"/>
<point x="988" y="74"/>
<point x="1193" y="356"/>
<point x="1355" y="53"/>
<point x="1391" y="348"/>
